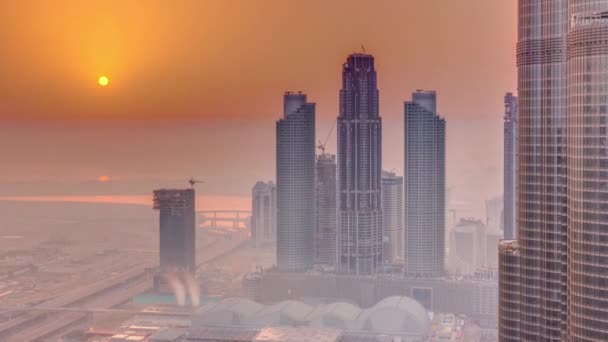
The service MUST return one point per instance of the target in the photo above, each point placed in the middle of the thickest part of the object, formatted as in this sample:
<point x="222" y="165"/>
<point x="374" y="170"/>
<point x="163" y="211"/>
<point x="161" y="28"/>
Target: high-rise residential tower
<point x="296" y="184"/>
<point x="326" y="210"/>
<point x="264" y="213"/>
<point x="359" y="168"/>
<point x="510" y="166"/>
<point x="177" y="225"/>
<point x="392" y="216"/>
<point x="587" y="64"/>
<point x="508" y="291"/>
<point x="424" y="184"/>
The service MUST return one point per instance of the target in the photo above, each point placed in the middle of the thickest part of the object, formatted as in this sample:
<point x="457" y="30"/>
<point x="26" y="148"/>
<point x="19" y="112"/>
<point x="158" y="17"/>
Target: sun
<point x="103" y="81"/>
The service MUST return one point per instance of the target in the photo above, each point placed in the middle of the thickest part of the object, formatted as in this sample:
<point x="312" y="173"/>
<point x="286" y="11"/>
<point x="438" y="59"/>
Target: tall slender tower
<point x="424" y="187"/>
<point x="588" y="171"/>
<point x="296" y="184"/>
<point x="392" y="216"/>
<point x="264" y="213"/>
<point x="510" y="166"/>
<point x="326" y="210"/>
<point x="359" y="168"/>
<point x="177" y="229"/>
<point x="542" y="175"/>
<point x="542" y="178"/>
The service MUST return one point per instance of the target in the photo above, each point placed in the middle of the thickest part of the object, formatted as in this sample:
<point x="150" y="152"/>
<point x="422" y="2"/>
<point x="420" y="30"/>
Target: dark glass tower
<point x="359" y="168"/>
<point x="296" y="184"/>
<point x="424" y="185"/>
<point x="510" y="166"/>
<point x="177" y="229"/>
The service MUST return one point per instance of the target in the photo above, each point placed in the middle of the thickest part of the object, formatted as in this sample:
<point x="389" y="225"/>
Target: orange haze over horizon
<point x="196" y="87"/>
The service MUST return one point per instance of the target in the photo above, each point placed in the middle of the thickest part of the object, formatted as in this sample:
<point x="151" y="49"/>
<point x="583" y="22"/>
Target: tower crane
<point x="193" y="182"/>
<point x="322" y="145"/>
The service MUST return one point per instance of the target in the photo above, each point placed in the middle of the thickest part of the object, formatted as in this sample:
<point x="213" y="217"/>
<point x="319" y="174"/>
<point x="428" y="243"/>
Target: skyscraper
<point x="542" y="176"/>
<point x="326" y="210"/>
<point x="264" y="213"/>
<point x="510" y="166"/>
<point x="296" y="184"/>
<point x="392" y="216"/>
<point x="177" y="229"/>
<point x="424" y="186"/>
<point x="508" y="291"/>
<point x="587" y="171"/>
<point x="359" y="168"/>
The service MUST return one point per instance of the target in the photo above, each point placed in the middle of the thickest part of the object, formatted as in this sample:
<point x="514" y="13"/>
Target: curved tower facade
<point x="296" y="184"/>
<point x="424" y="184"/>
<point x="359" y="168"/>
<point x="542" y="176"/>
<point x="588" y="171"/>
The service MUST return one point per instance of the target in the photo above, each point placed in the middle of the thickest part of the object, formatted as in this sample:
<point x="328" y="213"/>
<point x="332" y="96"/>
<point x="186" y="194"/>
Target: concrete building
<point x="296" y="184"/>
<point x="508" y="291"/>
<point x="510" y="128"/>
<point x="587" y="262"/>
<point x="392" y="217"/>
<point x="264" y="213"/>
<point x="359" y="168"/>
<point x="424" y="185"/>
<point x="177" y="229"/>
<point x="326" y="210"/>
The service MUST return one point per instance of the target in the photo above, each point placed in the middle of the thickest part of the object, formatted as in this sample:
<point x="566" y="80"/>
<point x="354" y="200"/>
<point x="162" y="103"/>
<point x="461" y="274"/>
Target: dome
<point x="336" y="315"/>
<point x="230" y="311"/>
<point x="396" y="314"/>
<point x="287" y="312"/>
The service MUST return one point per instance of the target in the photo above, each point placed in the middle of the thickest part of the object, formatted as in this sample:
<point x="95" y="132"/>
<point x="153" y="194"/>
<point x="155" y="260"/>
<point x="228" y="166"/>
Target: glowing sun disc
<point x="103" y="81"/>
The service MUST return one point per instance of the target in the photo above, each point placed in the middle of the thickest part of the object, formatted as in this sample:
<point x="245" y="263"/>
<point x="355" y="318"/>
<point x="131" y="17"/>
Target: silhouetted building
<point x="494" y="213"/>
<point x="359" y="168"/>
<point x="424" y="186"/>
<point x="326" y="210"/>
<point x="510" y="166"/>
<point x="296" y="184"/>
<point x="264" y="213"/>
<point x="177" y="223"/>
<point x="392" y="216"/>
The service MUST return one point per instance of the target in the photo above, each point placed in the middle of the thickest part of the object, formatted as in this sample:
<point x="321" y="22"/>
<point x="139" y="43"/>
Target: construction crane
<point x="322" y="145"/>
<point x="193" y="182"/>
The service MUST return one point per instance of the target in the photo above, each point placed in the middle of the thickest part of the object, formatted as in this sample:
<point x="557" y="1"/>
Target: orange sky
<point x="206" y="77"/>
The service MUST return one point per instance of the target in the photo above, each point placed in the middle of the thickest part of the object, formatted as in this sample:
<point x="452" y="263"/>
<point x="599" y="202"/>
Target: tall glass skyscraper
<point x="359" y="168"/>
<point x="588" y="171"/>
<point x="542" y="181"/>
<point x="510" y="166"/>
<point x="326" y="210"/>
<point x="296" y="184"/>
<point x="392" y="217"/>
<point x="563" y="171"/>
<point x="424" y="185"/>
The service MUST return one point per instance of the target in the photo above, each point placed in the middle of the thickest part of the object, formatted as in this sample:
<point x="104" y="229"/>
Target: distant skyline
<point x="193" y="82"/>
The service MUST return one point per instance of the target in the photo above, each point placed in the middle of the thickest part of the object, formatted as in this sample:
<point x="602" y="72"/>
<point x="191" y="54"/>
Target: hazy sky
<point x="196" y="86"/>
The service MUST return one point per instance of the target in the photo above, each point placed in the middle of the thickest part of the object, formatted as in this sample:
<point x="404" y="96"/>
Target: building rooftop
<point x="299" y="334"/>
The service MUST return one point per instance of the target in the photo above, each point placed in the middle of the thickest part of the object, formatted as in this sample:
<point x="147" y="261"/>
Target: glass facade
<point x="296" y="184"/>
<point x="424" y="184"/>
<point x="359" y="168"/>
<point x="508" y="291"/>
<point x="588" y="171"/>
